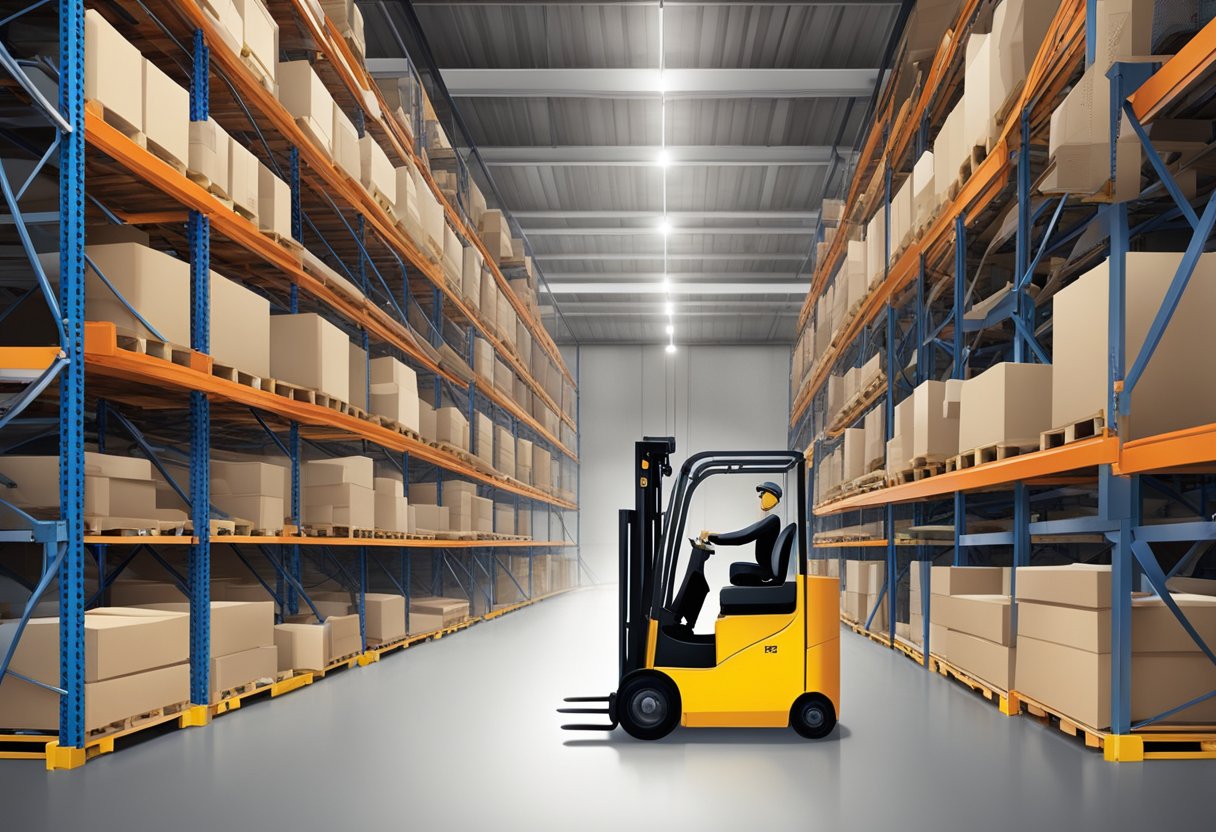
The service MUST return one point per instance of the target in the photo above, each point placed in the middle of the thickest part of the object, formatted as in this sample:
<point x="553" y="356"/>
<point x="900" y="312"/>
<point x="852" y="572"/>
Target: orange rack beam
<point x="104" y="358"/>
<point x="1178" y="74"/>
<point x="265" y="540"/>
<point x="1100" y="450"/>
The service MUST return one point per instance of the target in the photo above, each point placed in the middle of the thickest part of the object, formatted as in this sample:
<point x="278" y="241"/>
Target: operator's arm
<point x="744" y="536"/>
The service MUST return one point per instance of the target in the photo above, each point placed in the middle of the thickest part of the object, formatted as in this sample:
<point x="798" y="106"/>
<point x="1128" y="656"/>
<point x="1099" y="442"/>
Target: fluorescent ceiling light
<point x="671" y="330"/>
<point x="671" y="348"/>
<point x="665" y="226"/>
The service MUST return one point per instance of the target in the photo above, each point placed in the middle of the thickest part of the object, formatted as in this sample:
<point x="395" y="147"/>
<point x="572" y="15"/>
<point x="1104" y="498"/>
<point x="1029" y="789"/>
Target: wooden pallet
<point x="989" y="691"/>
<point x="865" y="483"/>
<point x="916" y="474"/>
<point x="1073" y="432"/>
<point x="125" y="526"/>
<point x="1157" y="742"/>
<point x="986" y="454"/>
<point x="117" y="122"/>
<point x="331" y="530"/>
<point x="132" y="723"/>
<point x="165" y="351"/>
<point x="237" y="376"/>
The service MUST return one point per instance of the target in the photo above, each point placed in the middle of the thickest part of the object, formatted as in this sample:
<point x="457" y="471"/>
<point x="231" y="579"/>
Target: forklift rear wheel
<point x="813" y="716"/>
<point x="648" y="706"/>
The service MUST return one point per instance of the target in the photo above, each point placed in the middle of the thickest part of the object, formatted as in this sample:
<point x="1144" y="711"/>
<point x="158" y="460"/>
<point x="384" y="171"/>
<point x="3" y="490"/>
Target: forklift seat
<point x="779" y="596"/>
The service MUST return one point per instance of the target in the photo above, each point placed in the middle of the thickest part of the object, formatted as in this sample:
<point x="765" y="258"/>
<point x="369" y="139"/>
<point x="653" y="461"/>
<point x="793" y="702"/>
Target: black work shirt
<point x="764" y="532"/>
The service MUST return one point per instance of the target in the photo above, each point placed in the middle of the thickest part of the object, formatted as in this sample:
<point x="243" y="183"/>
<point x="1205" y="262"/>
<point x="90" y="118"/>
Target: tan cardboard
<point x="983" y="616"/>
<point x="1077" y="584"/>
<point x="453" y="610"/>
<point x="259" y="36"/>
<point x="155" y="284"/>
<point x="28" y="707"/>
<point x="235" y="625"/>
<point x="1007" y="404"/>
<point x="240" y="327"/>
<point x="1077" y="682"/>
<point x="308" y="101"/>
<point x="343" y="634"/>
<point x="300" y="646"/>
<point x="934" y="437"/>
<point x="111" y="63"/>
<point x="166" y="114"/>
<point x="969" y="580"/>
<point x="384" y="617"/>
<point x="257" y="664"/>
<point x="424" y="622"/>
<point x="1154" y="627"/>
<point x="986" y="660"/>
<point x="309" y="351"/>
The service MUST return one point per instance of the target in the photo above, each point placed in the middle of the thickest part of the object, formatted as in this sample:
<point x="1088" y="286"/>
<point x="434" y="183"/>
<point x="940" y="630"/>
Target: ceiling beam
<point x="635" y="278"/>
<point x="648" y="155"/>
<point x="678" y="288"/>
<point x="810" y="217"/>
<point x="677" y="231"/>
<point x="655" y="3"/>
<point x="793" y="257"/>
<point x="650" y="83"/>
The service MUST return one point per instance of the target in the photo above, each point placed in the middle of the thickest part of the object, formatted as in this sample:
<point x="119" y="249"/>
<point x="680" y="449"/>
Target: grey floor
<point x="461" y="735"/>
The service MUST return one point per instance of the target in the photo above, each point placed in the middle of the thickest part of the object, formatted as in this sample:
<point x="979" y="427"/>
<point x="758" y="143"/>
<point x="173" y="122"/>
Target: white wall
<point x="709" y="398"/>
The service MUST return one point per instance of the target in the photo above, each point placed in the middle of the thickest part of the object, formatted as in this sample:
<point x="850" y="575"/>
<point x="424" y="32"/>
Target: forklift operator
<point x="763" y="532"/>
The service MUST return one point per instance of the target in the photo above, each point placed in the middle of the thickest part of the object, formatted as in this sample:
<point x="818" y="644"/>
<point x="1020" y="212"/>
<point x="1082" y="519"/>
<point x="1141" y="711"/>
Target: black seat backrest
<point x="782" y="549"/>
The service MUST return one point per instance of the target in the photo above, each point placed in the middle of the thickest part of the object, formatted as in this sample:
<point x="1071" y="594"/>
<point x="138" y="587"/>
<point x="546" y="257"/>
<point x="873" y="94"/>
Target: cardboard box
<point x="259" y="37"/>
<point x="970" y="580"/>
<point x="155" y="284"/>
<point x="307" y="350"/>
<point x="452" y="427"/>
<point x="246" y="477"/>
<point x="243" y="179"/>
<point x="875" y="444"/>
<point x="863" y="577"/>
<point x="1077" y="682"/>
<point x="1175" y="392"/>
<point x="990" y="662"/>
<point x="424" y="622"/>
<point x="343" y="636"/>
<point x="240" y="327"/>
<point x="392" y="511"/>
<point x="257" y="664"/>
<point x="384" y="617"/>
<point x="342" y="504"/>
<point x="396" y="400"/>
<point x="983" y="616"/>
<point x="274" y="203"/>
<point x="405" y="209"/>
<point x="235" y="625"/>
<point x="264" y="513"/>
<point x="854" y="453"/>
<point x="166" y="114"/>
<point x="1079" y="143"/>
<point x="209" y="149"/>
<point x="300" y="646"/>
<point x="1154" y="627"/>
<point x="429" y="518"/>
<point x="472" y="266"/>
<point x="308" y="101"/>
<point x="452" y="610"/>
<point x="356" y="470"/>
<point x="934" y="437"/>
<point x="1077" y="584"/>
<point x="111" y="63"/>
<point x="346" y="144"/>
<point x="130" y="593"/>
<point x="376" y="172"/>
<point x="426" y="421"/>
<point x="118" y="641"/>
<point x="28" y="707"/>
<point x="952" y="403"/>
<point x="358" y="376"/>
<point x="1007" y="404"/>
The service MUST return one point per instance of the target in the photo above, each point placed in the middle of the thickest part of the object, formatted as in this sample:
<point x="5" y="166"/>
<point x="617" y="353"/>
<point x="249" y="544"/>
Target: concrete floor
<point x="461" y="735"/>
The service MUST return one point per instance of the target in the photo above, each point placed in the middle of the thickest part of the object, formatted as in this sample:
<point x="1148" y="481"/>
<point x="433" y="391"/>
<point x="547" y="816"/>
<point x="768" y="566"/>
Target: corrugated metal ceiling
<point x="739" y="36"/>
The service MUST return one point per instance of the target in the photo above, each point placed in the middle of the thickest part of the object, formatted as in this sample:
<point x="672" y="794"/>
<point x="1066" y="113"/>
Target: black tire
<point x="648" y="705"/>
<point x="813" y="716"/>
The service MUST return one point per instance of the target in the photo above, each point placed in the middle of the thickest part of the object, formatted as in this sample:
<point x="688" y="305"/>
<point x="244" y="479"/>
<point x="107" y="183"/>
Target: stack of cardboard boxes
<point x="135" y="663"/>
<point x="431" y="613"/>
<point x="973" y="605"/>
<point x="465" y="511"/>
<point x="339" y="492"/>
<point x="1064" y="646"/>
<point x="863" y="584"/>
<point x="251" y="491"/>
<point x="118" y="490"/>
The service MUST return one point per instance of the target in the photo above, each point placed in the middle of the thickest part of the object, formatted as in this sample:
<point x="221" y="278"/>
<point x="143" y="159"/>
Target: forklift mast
<point x="640" y="535"/>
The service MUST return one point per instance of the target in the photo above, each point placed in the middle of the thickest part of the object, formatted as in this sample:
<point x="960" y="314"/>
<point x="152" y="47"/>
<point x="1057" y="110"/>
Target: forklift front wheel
<point x="813" y="716"/>
<point x="648" y="705"/>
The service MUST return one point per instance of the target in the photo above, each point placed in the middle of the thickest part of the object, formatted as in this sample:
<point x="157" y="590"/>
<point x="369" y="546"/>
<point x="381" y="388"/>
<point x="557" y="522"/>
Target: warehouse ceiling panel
<point x="603" y="125"/>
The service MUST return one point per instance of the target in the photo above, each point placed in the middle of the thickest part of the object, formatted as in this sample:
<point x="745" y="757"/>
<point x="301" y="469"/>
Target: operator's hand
<point x="705" y="535"/>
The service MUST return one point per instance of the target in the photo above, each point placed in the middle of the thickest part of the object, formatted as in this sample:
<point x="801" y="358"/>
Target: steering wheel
<point x="701" y="545"/>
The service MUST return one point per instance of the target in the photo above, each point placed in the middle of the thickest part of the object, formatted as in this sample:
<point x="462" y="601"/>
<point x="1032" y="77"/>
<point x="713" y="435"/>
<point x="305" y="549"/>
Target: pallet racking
<point x="174" y="408"/>
<point x="1089" y="495"/>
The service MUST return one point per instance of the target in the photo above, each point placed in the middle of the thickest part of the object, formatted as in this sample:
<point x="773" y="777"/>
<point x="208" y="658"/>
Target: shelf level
<point x="104" y="359"/>
<point x="267" y="540"/>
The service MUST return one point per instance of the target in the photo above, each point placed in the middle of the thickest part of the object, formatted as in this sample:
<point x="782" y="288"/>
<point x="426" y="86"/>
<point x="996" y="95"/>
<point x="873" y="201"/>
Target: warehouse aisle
<point x="461" y="735"/>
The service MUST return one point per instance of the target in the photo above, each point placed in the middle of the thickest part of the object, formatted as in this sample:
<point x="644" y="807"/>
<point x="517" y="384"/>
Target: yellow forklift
<point x="773" y="659"/>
